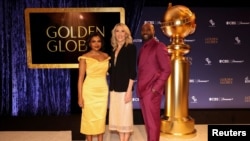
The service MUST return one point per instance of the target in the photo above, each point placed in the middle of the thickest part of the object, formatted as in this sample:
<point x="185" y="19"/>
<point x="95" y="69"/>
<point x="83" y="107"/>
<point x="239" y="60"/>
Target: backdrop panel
<point x="60" y="34"/>
<point x="219" y="56"/>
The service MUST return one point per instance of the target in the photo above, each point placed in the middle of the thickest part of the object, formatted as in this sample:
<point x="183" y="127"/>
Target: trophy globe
<point x="178" y="22"/>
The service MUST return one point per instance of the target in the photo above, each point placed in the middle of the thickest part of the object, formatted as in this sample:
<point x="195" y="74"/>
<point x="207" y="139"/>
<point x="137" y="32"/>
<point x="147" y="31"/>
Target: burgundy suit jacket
<point x="154" y="68"/>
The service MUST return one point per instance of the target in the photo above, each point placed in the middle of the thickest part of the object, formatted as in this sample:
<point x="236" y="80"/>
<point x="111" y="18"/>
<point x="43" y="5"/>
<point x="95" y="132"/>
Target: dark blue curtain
<point x="35" y="92"/>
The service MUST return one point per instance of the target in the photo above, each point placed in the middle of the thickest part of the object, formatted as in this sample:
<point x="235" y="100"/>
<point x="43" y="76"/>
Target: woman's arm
<point x="81" y="76"/>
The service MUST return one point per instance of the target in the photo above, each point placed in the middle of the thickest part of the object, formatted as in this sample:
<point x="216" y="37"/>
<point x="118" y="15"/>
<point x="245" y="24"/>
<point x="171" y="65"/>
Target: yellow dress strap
<point x="81" y="57"/>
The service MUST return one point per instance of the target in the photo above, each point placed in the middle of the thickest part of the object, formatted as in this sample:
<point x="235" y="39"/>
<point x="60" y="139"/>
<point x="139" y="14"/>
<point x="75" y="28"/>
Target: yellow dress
<point x="95" y="95"/>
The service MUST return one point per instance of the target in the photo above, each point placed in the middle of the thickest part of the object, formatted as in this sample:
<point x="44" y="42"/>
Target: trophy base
<point x="178" y="127"/>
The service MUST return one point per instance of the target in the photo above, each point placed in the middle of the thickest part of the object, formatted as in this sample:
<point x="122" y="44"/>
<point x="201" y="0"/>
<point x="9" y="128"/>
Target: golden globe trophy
<point x="178" y="22"/>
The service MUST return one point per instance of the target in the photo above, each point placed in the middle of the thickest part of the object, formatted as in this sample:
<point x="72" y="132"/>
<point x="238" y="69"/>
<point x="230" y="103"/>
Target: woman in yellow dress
<point x="93" y="88"/>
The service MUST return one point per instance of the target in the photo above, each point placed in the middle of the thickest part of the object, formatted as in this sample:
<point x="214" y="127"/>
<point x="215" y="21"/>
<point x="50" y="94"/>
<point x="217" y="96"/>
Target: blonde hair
<point x="128" y="39"/>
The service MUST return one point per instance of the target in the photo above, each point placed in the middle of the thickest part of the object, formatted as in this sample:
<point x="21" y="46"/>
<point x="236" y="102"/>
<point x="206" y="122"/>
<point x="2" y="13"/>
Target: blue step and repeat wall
<point x="219" y="56"/>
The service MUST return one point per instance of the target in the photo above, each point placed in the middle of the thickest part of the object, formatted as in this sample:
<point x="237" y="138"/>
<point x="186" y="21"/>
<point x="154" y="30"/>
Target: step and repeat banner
<point x="219" y="56"/>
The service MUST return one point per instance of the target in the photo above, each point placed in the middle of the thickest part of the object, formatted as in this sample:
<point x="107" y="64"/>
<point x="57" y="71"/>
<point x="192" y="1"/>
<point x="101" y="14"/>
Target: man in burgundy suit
<point x="154" y="68"/>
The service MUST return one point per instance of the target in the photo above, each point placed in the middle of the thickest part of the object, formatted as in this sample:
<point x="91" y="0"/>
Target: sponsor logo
<point x="198" y="81"/>
<point x="189" y="60"/>
<point x="237" y="40"/>
<point x="211" y="23"/>
<point x="153" y="22"/>
<point x="220" y="99"/>
<point x="194" y="99"/>
<point x="211" y="40"/>
<point x="231" y="61"/>
<point x="135" y="99"/>
<point x="247" y="99"/>
<point x="231" y="22"/>
<point x="237" y="23"/>
<point x="247" y="80"/>
<point x="137" y="40"/>
<point x="189" y="40"/>
<point x="208" y="61"/>
<point x="226" y="80"/>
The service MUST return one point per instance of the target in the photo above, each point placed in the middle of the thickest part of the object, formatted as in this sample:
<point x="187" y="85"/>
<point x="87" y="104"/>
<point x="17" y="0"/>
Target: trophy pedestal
<point x="178" y="127"/>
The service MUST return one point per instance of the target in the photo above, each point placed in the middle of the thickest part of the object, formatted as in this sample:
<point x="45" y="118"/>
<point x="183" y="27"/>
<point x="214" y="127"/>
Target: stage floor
<point x="35" y="136"/>
<point x="138" y="135"/>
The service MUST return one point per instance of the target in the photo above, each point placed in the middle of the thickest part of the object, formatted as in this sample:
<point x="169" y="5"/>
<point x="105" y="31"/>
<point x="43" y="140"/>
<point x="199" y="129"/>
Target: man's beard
<point x="146" y="37"/>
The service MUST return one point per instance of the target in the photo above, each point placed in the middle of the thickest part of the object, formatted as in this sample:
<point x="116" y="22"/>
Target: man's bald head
<point x="147" y="31"/>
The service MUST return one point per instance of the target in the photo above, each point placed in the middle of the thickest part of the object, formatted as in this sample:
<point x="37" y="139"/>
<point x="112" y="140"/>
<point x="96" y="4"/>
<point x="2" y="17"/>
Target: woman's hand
<point x="80" y="102"/>
<point x="128" y="96"/>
